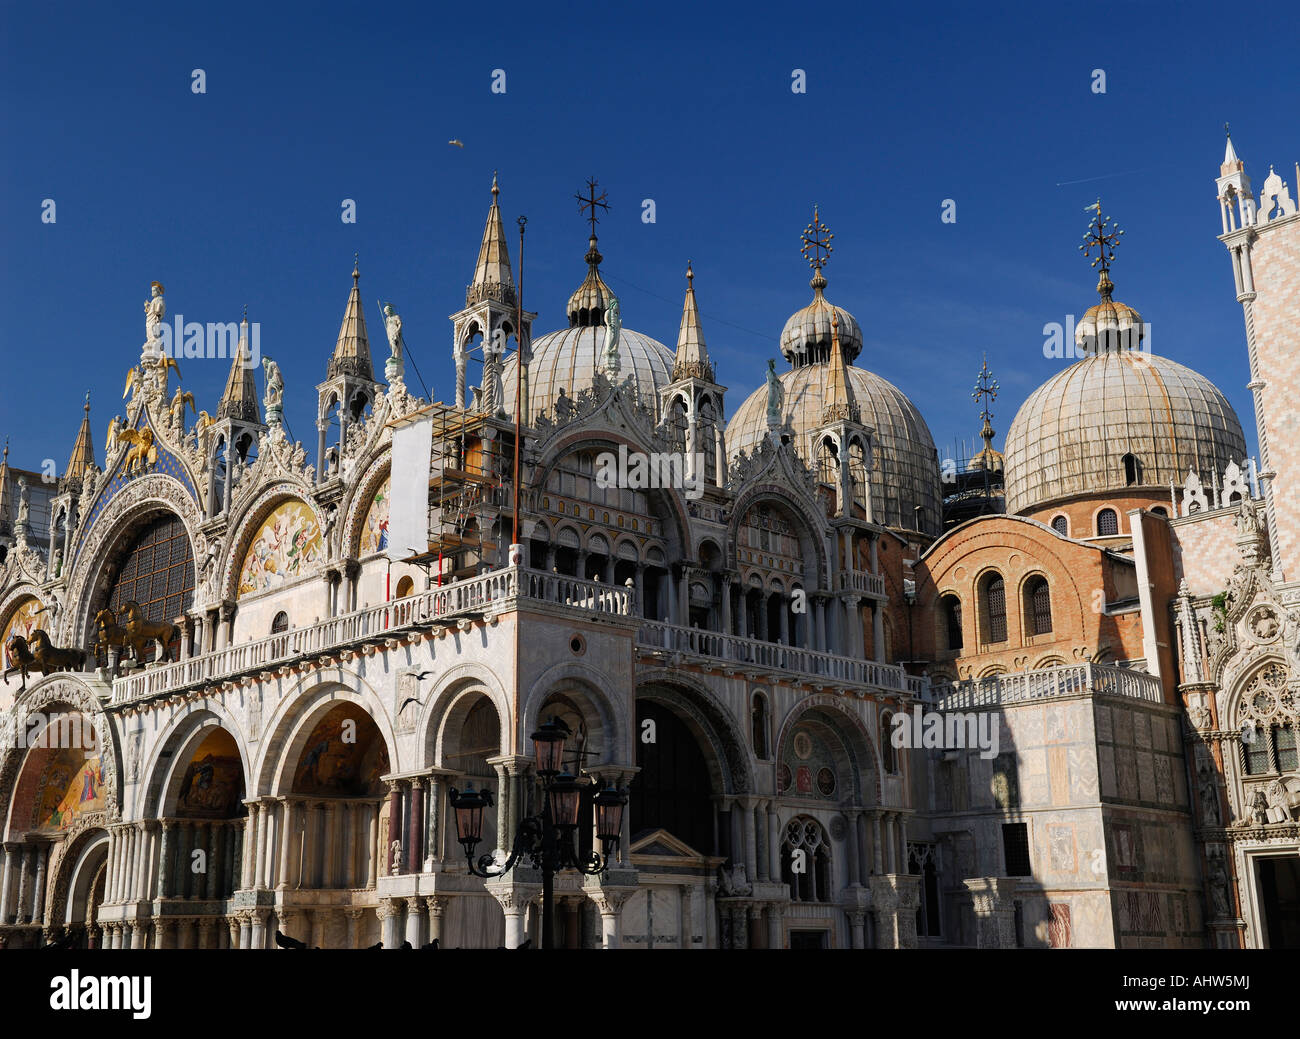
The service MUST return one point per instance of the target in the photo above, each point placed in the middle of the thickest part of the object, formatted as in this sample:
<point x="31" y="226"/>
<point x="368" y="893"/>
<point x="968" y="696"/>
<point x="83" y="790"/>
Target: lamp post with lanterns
<point x="546" y="841"/>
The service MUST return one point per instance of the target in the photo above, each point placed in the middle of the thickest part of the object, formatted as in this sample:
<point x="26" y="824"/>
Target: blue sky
<point x="233" y="197"/>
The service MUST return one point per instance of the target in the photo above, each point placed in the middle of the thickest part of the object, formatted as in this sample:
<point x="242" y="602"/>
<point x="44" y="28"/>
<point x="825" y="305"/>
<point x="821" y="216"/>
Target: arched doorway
<point x="86" y="882"/>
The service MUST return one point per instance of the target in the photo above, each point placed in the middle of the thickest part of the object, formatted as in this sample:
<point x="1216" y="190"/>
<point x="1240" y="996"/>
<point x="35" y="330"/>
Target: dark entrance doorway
<point x="1279" y="902"/>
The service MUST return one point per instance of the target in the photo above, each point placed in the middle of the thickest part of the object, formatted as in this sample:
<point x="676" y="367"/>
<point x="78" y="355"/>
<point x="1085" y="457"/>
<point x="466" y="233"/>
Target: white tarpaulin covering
<point x="408" y="504"/>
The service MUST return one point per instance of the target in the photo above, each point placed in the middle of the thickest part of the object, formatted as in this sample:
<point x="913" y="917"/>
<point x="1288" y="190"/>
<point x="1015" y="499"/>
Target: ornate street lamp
<point x="546" y="840"/>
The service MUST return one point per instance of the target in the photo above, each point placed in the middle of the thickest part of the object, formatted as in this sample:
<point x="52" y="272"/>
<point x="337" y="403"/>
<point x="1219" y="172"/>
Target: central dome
<point x="905" y="471"/>
<point x="569" y="359"/>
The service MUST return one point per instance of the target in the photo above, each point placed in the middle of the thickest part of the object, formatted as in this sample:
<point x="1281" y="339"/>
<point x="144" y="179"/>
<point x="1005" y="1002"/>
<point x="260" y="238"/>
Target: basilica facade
<point x="849" y="710"/>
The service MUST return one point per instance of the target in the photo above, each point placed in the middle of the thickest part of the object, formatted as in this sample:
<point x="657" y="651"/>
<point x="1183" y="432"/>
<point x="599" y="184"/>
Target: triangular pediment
<point x="660" y="844"/>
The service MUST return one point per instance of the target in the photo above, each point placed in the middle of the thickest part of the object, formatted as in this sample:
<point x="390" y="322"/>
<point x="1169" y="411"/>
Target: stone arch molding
<point x="358" y="505"/>
<point x="693" y="699"/>
<point x="69" y="860"/>
<point x="185" y="731"/>
<point x="592" y="684"/>
<point x="790" y="499"/>
<point x="858" y="738"/>
<point x="60" y="690"/>
<point x="297" y="713"/>
<point x="454" y="684"/>
<point x="250" y="518"/>
<point x="140" y="497"/>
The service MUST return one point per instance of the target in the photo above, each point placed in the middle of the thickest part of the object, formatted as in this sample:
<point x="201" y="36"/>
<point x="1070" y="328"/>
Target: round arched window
<point x="157" y="572"/>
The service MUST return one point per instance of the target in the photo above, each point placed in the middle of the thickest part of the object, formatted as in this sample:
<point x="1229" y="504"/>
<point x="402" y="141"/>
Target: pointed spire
<point x="692" y="354"/>
<point x="492" y="276"/>
<point x="841" y="405"/>
<point x="1230" y="153"/>
<point x="5" y="523"/>
<point x="83" y="451"/>
<point x="352" y="351"/>
<point x="239" y="400"/>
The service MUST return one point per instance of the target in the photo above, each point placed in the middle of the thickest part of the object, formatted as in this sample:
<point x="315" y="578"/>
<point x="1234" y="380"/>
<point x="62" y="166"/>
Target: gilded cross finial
<point x="690" y="275"/>
<point x="590" y="202"/>
<point x="1102" y="235"/>
<point x="986" y="390"/>
<point x="87" y="402"/>
<point x="816" y="240"/>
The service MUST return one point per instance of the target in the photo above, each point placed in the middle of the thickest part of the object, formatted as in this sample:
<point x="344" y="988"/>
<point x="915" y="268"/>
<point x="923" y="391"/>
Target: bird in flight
<point x="458" y="144"/>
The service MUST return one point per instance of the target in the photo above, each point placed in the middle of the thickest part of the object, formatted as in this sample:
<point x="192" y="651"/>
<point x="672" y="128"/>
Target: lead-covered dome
<point x="1115" y="421"/>
<point x="905" y="470"/>
<point x="569" y="359"/>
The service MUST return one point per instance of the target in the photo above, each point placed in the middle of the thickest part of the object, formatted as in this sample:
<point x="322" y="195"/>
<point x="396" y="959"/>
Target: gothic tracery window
<point x="806" y="861"/>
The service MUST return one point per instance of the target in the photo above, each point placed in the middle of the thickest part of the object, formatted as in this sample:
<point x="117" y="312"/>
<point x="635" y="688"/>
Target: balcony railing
<point x="501" y="590"/>
<point x="1051" y="682"/>
<point x="776" y="656"/>
<point x="862" y="581"/>
<point x="496" y="590"/>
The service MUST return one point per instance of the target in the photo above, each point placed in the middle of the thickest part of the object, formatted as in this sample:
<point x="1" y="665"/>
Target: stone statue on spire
<point x="613" y="332"/>
<point x="393" y="367"/>
<point x="775" y="395"/>
<point x="155" y="309"/>
<point x="274" y="397"/>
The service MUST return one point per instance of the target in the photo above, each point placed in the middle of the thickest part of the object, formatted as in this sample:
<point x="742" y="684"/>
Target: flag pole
<point x="519" y="376"/>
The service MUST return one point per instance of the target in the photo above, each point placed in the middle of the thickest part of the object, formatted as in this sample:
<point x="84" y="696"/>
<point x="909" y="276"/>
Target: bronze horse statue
<point x="138" y="632"/>
<point x="108" y="633"/>
<point x="37" y="653"/>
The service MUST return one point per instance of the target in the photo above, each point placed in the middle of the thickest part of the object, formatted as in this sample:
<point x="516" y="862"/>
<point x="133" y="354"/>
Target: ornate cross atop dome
<point x="1102" y="235"/>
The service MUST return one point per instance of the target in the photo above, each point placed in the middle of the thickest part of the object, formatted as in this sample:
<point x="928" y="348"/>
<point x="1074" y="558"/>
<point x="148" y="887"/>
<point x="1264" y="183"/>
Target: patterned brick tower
<point x="1263" y="239"/>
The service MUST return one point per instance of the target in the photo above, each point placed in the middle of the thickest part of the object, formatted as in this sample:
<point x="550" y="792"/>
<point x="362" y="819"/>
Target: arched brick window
<point x="1038" y="606"/>
<point x="1107" y="523"/>
<point x="1061" y="525"/>
<point x="994" y="600"/>
<point x="952" y="620"/>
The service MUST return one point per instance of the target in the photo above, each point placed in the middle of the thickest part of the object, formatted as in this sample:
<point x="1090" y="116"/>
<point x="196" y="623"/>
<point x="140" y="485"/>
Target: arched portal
<point x="336" y="808"/>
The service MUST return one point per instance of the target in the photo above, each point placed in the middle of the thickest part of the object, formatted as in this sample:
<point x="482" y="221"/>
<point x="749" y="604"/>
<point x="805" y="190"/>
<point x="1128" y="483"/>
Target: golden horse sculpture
<point x="37" y="653"/>
<point x="143" y="452"/>
<point x="108" y="633"/>
<point x="138" y="632"/>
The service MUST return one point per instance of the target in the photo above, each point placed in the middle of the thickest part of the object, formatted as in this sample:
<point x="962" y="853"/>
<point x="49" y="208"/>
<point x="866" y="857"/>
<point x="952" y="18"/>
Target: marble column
<point x="38" y="888"/>
<point x="6" y="881"/>
<point x="394" y="825"/>
<point x="288" y="840"/>
<point x="415" y="852"/>
<point x="995" y="911"/>
<point x="372" y="855"/>
<point x="257" y="934"/>
<point x="894" y="900"/>
<point x="166" y="853"/>
<point x="878" y="633"/>
<point x="857" y="937"/>
<point x="773" y="843"/>
<point x="435" y="906"/>
<point x="390" y="919"/>
<point x="415" y="918"/>
<point x="610" y="904"/>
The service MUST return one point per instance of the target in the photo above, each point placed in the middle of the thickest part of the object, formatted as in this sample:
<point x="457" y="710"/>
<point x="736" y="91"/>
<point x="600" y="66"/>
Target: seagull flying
<point x="458" y="144"/>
